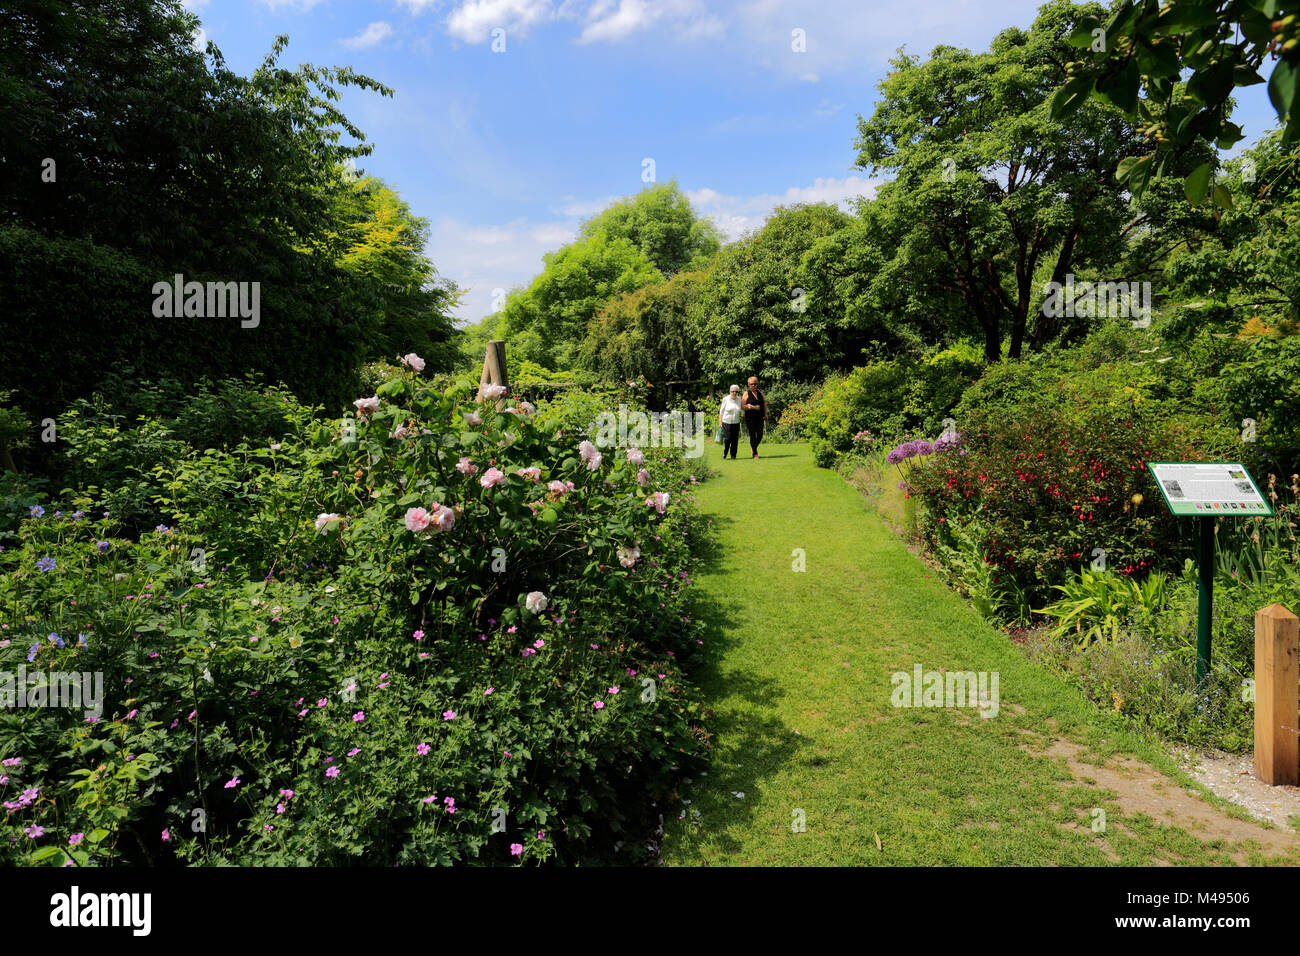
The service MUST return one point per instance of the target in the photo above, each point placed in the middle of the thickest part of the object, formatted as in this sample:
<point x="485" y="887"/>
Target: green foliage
<point x="659" y="221"/>
<point x="757" y="316"/>
<point x="545" y="322"/>
<point x="1146" y="51"/>
<point x="648" y="333"/>
<point x="169" y="163"/>
<point x="1102" y="605"/>
<point x="889" y="397"/>
<point x="287" y="631"/>
<point x="989" y="197"/>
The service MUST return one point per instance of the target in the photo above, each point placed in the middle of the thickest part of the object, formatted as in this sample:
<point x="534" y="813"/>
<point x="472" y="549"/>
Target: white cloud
<point x="631" y="16"/>
<point x="736" y="215"/>
<point x="201" y="40"/>
<point x="482" y="259"/>
<point x="475" y="20"/>
<point x="193" y="5"/>
<point x="374" y="34"/>
<point x="582" y="209"/>
<point x="862" y="35"/>
<point x="809" y="77"/>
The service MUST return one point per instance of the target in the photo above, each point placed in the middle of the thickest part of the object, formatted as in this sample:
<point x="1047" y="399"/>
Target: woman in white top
<point x="729" y="418"/>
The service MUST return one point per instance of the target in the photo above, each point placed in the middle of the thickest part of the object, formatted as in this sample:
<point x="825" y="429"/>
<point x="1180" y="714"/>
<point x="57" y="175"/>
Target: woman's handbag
<point x="717" y="436"/>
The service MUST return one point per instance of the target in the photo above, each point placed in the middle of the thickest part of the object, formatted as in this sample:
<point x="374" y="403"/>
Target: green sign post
<point x="1207" y="491"/>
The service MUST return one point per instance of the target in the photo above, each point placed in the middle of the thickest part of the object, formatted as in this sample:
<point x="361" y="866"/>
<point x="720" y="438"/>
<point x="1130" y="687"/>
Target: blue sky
<point x="506" y="152"/>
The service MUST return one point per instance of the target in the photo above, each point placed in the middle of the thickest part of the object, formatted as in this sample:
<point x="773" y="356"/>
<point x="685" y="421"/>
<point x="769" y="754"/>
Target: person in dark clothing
<point x="755" y="407"/>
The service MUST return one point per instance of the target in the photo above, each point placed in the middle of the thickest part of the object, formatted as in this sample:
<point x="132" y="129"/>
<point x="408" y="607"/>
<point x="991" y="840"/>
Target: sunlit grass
<point x="803" y="719"/>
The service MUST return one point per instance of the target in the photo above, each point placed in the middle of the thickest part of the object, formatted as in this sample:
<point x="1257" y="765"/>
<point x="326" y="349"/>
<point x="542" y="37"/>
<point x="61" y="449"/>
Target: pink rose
<point x="492" y="392"/>
<point x="491" y="477"/>
<point x="635" y="456"/>
<point x="417" y="519"/>
<point x="444" y="519"/>
<point x="627" y="556"/>
<point x="643" y="477"/>
<point x="473" y="418"/>
<point x="557" y="487"/>
<point x="466" y="467"/>
<point x="532" y="474"/>
<point x="365" y="406"/>
<point x="413" y="361"/>
<point x="658" y="501"/>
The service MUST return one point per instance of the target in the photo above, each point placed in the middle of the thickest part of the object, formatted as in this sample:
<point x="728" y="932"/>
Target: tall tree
<point x="660" y="221"/>
<point x="990" y="196"/>
<point x="758" y="315"/>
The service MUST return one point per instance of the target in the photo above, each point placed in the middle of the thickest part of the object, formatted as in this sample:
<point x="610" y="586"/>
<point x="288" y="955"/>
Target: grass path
<point x="800" y="694"/>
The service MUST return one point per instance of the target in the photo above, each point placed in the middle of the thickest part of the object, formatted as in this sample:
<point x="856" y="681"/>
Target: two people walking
<point x="753" y="407"/>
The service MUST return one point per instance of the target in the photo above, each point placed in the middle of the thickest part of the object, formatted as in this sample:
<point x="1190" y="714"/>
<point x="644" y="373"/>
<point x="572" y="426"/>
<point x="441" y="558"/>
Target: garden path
<point x="805" y="733"/>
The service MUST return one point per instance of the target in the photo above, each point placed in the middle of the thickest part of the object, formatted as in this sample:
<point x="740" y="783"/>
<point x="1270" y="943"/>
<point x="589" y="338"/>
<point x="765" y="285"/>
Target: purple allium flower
<point x="923" y="447"/>
<point x="895" y="456"/>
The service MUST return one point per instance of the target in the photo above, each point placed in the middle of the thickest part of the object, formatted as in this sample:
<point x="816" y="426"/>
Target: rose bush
<point x="443" y="669"/>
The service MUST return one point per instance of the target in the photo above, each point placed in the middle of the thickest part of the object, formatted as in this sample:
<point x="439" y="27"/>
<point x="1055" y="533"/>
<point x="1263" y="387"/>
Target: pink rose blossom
<point x="492" y="477"/>
<point x="417" y="519"/>
<point x="466" y="467"/>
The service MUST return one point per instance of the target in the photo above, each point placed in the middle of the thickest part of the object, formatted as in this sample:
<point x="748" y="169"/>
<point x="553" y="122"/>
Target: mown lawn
<point x="801" y="697"/>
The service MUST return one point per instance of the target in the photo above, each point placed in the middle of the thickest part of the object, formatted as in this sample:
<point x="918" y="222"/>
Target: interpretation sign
<point x="1209" y="489"/>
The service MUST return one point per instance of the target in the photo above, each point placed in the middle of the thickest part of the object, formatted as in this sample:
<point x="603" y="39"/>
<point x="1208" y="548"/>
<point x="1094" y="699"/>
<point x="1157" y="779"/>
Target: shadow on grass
<point x="761" y="744"/>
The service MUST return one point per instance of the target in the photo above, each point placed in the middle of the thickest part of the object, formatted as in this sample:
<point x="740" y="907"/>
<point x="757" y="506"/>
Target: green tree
<point x="547" y="321"/>
<point x="660" y="221"/>
<point x="991" y="198"/>
<point x="650" y="332"/>
<point x="382" y="245"/>
<point x="757" y="315"/>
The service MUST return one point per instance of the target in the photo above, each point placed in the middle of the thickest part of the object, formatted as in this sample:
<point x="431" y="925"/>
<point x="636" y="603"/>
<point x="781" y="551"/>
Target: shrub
<point x="407" y="686"/>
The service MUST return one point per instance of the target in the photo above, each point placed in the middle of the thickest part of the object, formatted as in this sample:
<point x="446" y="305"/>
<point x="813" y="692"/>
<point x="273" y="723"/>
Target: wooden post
<point x="494" y="368"/>
<point x="1277" y="676"/>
